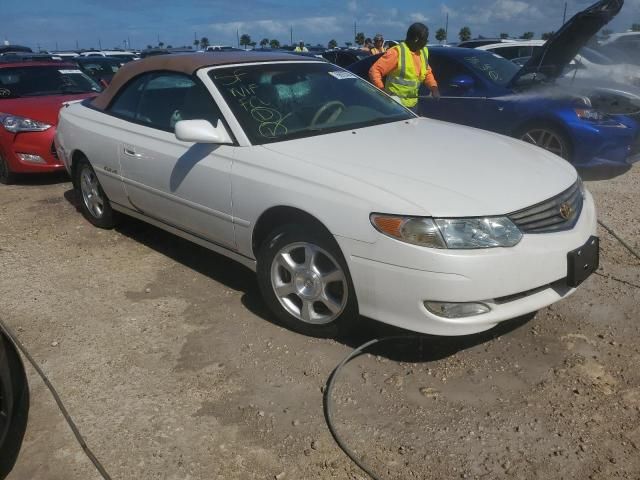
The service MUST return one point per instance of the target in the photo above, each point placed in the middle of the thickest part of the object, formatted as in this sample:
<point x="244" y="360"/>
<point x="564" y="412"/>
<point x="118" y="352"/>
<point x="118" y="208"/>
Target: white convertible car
<point x="341" y="200"/>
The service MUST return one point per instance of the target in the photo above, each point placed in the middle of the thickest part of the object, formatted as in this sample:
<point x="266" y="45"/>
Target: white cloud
<point x="418" y="17"/>
<point x="278" y="28"/>
<point x="352" y="5"/>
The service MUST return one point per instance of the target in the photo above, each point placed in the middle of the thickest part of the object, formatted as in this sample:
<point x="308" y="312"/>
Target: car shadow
<point x="407" y="346"/>
<point x="41" y="179"/>
<point x="603" y="173"/>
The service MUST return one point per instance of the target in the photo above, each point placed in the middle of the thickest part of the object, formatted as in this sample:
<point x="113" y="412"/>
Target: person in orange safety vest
<point x="405" y="67"/>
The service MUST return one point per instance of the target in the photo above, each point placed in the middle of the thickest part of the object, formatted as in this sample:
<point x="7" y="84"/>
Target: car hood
<point x="43" y="109"/>
<point x="565" y="44"/>
<point x="439" y="168"/>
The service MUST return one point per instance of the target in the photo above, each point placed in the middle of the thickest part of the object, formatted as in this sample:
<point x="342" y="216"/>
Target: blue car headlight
<point x="589" y="114"/>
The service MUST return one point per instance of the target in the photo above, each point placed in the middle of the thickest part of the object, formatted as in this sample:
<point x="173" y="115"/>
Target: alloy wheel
<point x="90" y="189"/>
<point x="309" y="283"/>
<point x="546" y="139"/>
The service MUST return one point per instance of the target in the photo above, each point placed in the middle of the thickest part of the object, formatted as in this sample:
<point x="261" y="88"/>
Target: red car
<point x="31" y="94"/>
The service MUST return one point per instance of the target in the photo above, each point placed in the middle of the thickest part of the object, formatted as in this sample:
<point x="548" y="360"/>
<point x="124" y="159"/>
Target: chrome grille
<point x="546" y="217"/>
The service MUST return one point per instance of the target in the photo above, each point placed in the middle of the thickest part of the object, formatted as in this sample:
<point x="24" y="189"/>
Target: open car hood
<point x="564" y="45"/>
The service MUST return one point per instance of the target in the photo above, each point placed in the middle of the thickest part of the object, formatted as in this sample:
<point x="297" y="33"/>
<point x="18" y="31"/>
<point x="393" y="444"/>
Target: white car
<point x="343" y="201"/>
<point x="589" y="64"/>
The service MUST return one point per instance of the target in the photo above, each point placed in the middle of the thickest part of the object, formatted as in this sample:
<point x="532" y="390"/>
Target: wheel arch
<point x="280" y="215"/>
<point x="76" y="157"/>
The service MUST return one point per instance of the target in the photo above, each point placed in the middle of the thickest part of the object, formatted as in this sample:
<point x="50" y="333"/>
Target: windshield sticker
<point x="341" y="75"/>
<point x="68" y="72"/>
<point x="268" y="119"/>
<point x="5" y="92"/>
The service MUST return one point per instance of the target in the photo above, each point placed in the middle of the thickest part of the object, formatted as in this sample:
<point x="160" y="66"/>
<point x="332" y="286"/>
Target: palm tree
<point x="332" y="43"/>
<point x="441" y="35"/>
<point x="204" y="43"/>
<point x="196" y="42"/>
<point x="245" y="40"/>
<point x="527" y="35"/>
<point x="465" y="34"/>
<point x="547" y="35"/>
<point x="264" y="42"/>
<point x="274" y="43"/>
<point x="504" y="36"/>
<point x="161" y="44"/>
<point x="360" y="38"/>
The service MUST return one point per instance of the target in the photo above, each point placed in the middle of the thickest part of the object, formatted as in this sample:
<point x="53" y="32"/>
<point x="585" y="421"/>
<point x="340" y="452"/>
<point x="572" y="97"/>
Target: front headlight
<point x="453" y="233"/>
<point x="16" y="124"/>
<point x="589" y="114"/>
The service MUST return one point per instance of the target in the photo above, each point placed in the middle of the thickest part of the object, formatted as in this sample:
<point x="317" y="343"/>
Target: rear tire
<point x="94" y="204"/>
<point x="305" y="282"/>
<point x="7" y="177"/>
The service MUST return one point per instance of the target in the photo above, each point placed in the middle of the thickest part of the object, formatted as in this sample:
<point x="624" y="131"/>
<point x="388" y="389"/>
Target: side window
<point x="508" y="52"/>
<point x="126" y="103"/>
<point x="171" y="97"/>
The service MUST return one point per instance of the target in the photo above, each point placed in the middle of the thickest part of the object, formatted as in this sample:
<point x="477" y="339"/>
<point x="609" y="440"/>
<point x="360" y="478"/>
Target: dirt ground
<point x="165" y="356"/>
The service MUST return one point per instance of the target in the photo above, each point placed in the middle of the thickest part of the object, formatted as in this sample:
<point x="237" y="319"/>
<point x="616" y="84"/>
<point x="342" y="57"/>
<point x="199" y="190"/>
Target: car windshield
<point x="106" y="67"/>
<point x="596" y="57"/>
<point x="493" y="67"/>
<point x="282" y="101"/>
<point x="44" y="80"/>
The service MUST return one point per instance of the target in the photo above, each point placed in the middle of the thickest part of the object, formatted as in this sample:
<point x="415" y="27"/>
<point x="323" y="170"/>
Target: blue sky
<point x="111" y="22"/>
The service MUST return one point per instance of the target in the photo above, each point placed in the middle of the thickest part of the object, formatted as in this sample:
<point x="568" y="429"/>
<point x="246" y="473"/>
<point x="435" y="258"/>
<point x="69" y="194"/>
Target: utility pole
<point x="355" y="31"/>
<point x="77" y="47"/>
<point x="564" y="17"/>
<point x="99" y="44"/>
<point x="291" y="36"/>
<point x="128" y="42"/>
<point x="158" y="39"/>
<point x="446" y="29"/>
<point x="238" y="36"/>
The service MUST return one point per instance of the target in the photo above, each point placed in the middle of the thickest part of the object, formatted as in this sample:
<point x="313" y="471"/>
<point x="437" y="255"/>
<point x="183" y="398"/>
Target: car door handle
<point x="130" y="152"/>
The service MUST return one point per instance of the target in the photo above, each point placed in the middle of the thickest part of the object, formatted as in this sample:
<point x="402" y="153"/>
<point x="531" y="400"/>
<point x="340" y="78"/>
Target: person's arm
<point x="383" y="67"/>
<point x="431" y="83"/>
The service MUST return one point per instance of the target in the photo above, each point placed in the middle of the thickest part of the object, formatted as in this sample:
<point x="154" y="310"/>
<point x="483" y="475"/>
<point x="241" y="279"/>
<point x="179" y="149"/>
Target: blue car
<point x="484" y="90"/>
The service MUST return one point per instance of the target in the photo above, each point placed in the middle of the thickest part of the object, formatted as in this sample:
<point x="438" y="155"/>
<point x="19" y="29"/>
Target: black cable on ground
<point x="328" y="403"/>
<point x="615" y="235"/>
<point x="56" y="397"/>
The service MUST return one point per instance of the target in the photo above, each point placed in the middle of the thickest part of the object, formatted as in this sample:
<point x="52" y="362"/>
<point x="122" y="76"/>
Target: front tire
<point x="94" y="204"/>
<point x="7" y="177"/>
<point x="305" y="282"/>
<point x="549" y="138"/>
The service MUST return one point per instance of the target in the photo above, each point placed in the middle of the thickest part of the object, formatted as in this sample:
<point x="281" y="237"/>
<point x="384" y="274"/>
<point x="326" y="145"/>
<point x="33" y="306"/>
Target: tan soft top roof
<point x="185" y="63"/>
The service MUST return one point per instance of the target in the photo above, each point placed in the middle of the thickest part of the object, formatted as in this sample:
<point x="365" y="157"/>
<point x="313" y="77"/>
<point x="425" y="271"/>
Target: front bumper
<point x="33" y="143"/>
<point x="596" y="146"/>
<point x="393" y="279"/>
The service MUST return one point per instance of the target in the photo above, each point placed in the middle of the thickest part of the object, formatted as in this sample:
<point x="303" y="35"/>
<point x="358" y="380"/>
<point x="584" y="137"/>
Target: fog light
<point x="456" y="310"/>
<point x="30" y="158"/>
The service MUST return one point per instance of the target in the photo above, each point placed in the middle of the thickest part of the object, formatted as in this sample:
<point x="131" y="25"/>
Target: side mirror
<point x="201" y="131"/>
<point x="462" y="82"/>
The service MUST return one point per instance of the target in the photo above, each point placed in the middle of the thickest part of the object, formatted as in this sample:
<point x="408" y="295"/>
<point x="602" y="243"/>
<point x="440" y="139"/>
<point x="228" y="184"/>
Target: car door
<point x="182" y="184"/>
<point x="475" y="106"/>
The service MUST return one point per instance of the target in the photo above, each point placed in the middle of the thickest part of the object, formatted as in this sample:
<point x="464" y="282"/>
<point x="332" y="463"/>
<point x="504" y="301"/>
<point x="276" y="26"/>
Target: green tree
<point x="332" y="43"/>
<point x="161" y="44"/>
<point x="274" y="43"/>
<point x="465" y="34"/>
<point x="196" y="42"/>
<point x="253" y="44"/>
<point x="527" y="35"/>
<point x="169" y="46"/>
<point x="204" y="43"/>
<point x="264" y="42"/>
<point x="149" y="47"/>
<point x="348" y="44"/>
<point x="547" y="35"/>
<point x="635" y="27"/>
<point x="504" y="36"/>
<point x="245" y="40"/>
<point x="360" y="38"/>
<point x="441" y="35"/>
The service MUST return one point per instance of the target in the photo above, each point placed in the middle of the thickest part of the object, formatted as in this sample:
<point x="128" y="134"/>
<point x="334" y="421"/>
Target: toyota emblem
<point x="566" y="211"/>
